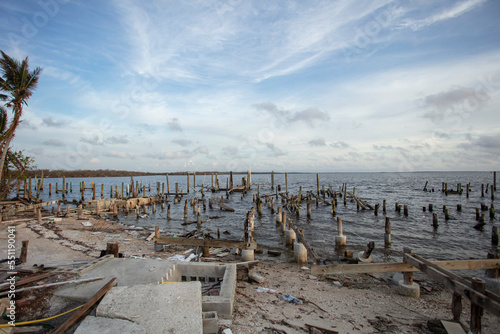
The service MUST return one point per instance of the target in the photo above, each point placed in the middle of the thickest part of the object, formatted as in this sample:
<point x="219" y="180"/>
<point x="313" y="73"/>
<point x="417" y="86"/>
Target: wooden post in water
<point x="309" y="210"/>
<point x="187" y="174"/>
<point x="387" y="234"/>
<point x="278" y="216"/>
<point x="272" y="180"/>
<point x="286" y="183"/>
<point x="384" y="206"/>
<point x="405" y="210"/>
<point x="317" y="184"/>
<point x="168" y="185"/>
<point x="435" y="220"/>
<point x="482" y="190"/>
<point x="375" y="211"/>
<point x="494" y="235"/>
<point x="494" y="181"/>
<point x="430" y="207"/>
<point x="340" y="239"/>
<point x="492" y="192"/>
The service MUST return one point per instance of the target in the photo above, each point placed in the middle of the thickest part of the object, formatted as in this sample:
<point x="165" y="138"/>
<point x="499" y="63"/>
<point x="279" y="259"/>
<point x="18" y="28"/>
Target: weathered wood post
<point x="494" y="235"/>
<point x="476" y="311"/>
<point x="384" y="209"/>
<point x="309" y="210"/>
<point x="272" y="180"/>
<point x="405" y="210"/>
<point x="482" y="190"/>
<point x="494" y="181"/>
<point x="283" y="221"/>
<point x="406" y="286"/>
<point x="187" y="174"/>
<point x="387" y="234"/>
<point x="113" y="249"/>
<point x="168" y="211"/>
<point x="456" y="306"/>
<point x="365" y="256"/>
<point x="80" y="211"/>
<point x="334" y="209"/>
<point x="492" y="192"/>
<point x="23" y="257"/>
<point x="340" y="238"/>
<point x="317" y="184"/>
<point x="115" y="210"/>
<point x="279" y="215"/>
<point x="286" y="183"/>
<point x="435" y="220"/>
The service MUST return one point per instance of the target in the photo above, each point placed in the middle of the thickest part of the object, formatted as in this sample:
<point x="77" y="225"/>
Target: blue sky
<point x="169" y="86"/>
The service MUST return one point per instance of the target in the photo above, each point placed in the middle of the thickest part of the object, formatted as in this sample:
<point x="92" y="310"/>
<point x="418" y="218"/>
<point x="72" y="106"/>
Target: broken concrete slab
<point x="102" y="325"/>
<point x="127" y="272"/>
<point x="163" y="308"/>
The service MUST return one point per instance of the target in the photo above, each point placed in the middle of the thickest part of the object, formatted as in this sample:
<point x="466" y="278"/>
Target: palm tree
<point x="17" y="84"/>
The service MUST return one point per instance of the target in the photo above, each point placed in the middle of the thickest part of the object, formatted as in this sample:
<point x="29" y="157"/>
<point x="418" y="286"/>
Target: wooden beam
<point x="205" y="243"/>
<point x="80" y="313"/>
<point x="455" y="283"/>
<point x="367" y="268"/>
<point x="52" y="284"/>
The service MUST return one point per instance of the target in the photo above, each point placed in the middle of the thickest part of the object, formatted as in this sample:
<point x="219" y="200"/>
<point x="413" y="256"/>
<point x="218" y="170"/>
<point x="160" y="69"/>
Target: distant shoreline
<point x="47" y="173"/>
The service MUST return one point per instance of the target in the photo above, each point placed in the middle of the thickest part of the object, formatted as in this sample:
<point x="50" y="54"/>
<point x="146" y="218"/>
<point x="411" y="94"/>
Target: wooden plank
<point x="5" y="286"/>
<point x="80" y="313"/>
<point x="52" y="285"/>
<point x="448" y="279"/>
<point x="452" y="327"/>
<point x="367" y="268"/>
<point x="205" y="242"/>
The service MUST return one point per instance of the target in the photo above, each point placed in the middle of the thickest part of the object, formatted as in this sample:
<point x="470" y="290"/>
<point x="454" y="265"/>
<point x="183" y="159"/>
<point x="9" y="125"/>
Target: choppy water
<point x="453" y="239"/>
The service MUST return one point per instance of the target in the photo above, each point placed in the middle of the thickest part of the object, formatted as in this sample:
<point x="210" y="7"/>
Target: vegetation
<point x="17" y="84"/>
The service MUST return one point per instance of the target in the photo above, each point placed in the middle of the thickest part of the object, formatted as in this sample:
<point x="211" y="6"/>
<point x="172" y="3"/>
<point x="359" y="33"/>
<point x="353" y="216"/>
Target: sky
<point x="311" y="86"/>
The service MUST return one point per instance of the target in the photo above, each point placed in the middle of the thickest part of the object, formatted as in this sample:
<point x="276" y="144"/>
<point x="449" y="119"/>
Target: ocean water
<point x="453" y="239"/>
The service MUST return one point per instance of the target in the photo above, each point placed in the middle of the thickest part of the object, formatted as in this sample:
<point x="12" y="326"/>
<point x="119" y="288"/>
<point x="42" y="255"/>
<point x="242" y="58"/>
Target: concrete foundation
<point x="163" y="308"/>
<point x="300" y="252"/>
<point x="290" y="237"/>
<point x="412" y="290"/>
<point x="149" y="271"/>
<point x="206" y="273"/>
<point x="247" y="255"/>
<point x="340" y="240"/>
<point x="361" y="258"/>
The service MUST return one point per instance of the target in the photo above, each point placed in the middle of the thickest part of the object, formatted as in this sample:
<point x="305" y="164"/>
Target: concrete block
<point x="164" y="308"/>
<point x="108" y="326"/>
<point x="210" y="323"/>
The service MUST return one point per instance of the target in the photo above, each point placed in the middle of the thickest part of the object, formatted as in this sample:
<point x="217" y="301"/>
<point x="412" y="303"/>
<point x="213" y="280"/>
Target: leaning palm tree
<point x="17" y="84"/>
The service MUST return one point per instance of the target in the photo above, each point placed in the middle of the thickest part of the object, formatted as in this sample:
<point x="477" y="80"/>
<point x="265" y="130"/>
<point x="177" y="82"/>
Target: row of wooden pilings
<point x="26" y="188"/>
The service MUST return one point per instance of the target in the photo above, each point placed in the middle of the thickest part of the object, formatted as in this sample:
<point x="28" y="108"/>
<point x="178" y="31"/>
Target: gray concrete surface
<point x="128" y="271"/>
<point x="164" y="308"/>
<point x="108" y="326"/>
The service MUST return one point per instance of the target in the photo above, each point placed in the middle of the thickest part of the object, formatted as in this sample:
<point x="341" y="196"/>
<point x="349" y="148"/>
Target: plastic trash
<point x="290" y="298"/>
<point x="261" y="289"/>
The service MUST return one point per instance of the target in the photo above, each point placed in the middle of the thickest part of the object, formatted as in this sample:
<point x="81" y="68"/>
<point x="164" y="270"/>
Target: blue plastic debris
<point x="290" y="298"/>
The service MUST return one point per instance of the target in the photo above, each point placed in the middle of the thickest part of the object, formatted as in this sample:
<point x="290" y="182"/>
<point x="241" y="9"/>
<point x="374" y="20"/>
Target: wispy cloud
<point x="456" y="10"/>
